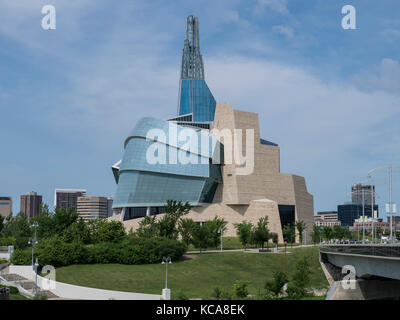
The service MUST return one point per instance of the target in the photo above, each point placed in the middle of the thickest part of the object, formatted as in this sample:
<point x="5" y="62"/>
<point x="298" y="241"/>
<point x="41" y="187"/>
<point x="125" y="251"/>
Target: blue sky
<point x="68" y="97"/>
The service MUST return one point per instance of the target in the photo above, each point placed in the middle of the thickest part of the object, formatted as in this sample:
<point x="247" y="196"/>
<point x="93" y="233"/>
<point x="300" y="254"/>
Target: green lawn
<point x="197" y="277"/>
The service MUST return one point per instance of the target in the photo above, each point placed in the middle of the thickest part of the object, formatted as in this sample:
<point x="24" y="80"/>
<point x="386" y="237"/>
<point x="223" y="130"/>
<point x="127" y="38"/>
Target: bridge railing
<point x="369" y="250"/>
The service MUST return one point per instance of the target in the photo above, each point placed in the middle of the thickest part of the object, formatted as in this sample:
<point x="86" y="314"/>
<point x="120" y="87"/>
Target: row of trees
<point x="259" y="234"/>
<point x="65" y="224"/>
<point x="328" y="233"/>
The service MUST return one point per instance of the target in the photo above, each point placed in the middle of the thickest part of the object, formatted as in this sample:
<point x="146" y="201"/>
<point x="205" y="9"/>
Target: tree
<point x="147" y="228"/>
<point x="276" y="285"/>
<point x="215" y="226"/>
<point x="78" y="231"/>
<point x="18" y="227"/>
<point x="260" y="233"/>
<point x="186" y="228"/>
<point x="316" y="234"/>
<point x="300" y="226"/>
<point x="63" y="218"/>
<point x="202" y="236"/>
<point x="243" y="231"/>
<point x="46" y="222"/>
<point x="1" y="223"/>
<point x="167" y="225"/>
<point x="289" y="234"/>
<point x="328" y="233"/>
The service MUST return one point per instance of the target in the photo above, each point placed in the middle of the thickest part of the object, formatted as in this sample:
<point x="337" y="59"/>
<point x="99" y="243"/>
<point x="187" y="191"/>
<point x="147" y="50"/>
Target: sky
<point x="329" y="97"/>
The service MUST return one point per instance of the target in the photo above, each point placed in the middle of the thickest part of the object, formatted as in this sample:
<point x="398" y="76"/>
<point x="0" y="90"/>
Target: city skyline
<point x="331" y="104"/>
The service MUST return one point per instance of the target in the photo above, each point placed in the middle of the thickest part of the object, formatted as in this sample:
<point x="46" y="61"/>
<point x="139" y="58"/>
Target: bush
<point x="58" y="253"/>
<point x="240" y="288"/>
<point x="8" y="241"/>
<point x="22" y="257"/>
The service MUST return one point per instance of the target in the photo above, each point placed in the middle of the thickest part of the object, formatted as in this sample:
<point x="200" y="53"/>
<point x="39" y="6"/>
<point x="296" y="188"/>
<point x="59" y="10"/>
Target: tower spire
<point x="192" y="61"/>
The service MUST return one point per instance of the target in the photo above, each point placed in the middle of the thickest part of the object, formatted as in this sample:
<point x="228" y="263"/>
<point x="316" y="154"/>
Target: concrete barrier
<point x="70" y="291"/>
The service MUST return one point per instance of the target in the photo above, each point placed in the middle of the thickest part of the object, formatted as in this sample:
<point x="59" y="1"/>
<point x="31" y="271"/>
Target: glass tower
<point x="196" y="105"/>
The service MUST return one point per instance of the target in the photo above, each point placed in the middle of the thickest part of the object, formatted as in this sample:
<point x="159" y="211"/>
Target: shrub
<point x="240" y="288"/>
<point x="58" y="253"/>
<point x="8" y="241"/>
<point x="217" y="293"/>
<point x="22" y="257"/>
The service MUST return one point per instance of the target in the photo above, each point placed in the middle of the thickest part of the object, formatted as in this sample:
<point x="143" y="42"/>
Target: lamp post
<point x="388" y="169"/>
<point x="220" y="232"/>
<point x="33" y="240"/>
<point x="166" y="292"/>
<point x="36" y="265"/>
<point x="285" y="256"/>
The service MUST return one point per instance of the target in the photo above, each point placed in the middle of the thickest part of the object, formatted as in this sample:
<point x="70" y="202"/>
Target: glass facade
<point x="196" y="99"/>
<point x="349" y="212"/>
<point x="143" y="183"/>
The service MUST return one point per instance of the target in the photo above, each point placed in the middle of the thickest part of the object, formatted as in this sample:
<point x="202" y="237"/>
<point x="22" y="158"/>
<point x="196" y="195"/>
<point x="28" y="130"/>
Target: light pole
<point x="33" y="240"/>
<point x="36" y="268"/>
<point x="285" y="257"/>
<point x="389" y="169"/>
<point x="166" y="292"/>
<point x="220" y="232"/>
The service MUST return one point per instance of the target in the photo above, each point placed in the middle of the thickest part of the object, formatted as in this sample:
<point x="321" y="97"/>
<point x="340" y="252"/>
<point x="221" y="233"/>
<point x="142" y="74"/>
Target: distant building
<point x="326" y="219"/>
<point x="370" y="223"/>
<point x="396" y="219"/>
<point x="359" y="190"/>
<point x="5" y="206"/>
<point x="30" y="204"/>
<point x="349" y="212"/>
<point x="109" y="207"/>
<point x="91" y="207"/>
<point x="67" y="198"/>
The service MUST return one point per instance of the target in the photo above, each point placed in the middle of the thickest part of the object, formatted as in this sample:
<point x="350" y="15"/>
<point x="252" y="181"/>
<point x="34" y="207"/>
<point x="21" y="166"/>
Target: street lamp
<point x="220" y="232"/>
<point x="36" y="265"/>
<point x="166" y="292"/>
<point x="388" y="169"/>
<point x="33" y="240"/>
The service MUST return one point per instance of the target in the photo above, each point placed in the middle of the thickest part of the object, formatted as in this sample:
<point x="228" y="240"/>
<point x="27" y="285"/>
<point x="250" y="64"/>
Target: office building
<point x="5" y="206"/>
<point x="349" y="212"/>
<point x="326" y="219"/>
<point x="67" y="198"/>
<point x="30" y="204"/>
<point x="210" y="181"/>
<point x="358" y="191"/>
<point x="91" y="207"/>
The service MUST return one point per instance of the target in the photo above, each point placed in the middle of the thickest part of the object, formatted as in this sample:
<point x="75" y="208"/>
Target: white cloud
<point x="386" y="77"/>
<point x="288" y="32"/>
<point x="276" y="5"/>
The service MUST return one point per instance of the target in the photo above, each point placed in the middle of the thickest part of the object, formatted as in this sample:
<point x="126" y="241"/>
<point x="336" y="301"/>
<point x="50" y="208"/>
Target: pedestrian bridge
<point x="369" y="260"/>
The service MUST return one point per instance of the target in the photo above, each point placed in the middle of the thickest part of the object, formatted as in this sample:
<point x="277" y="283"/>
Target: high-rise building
<point x="5" y="206"/>
<point x="30" y="204"/>
<point x="67" y="198"/>
<point x="91" y="207"/>
<point x="359" y="190"/>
